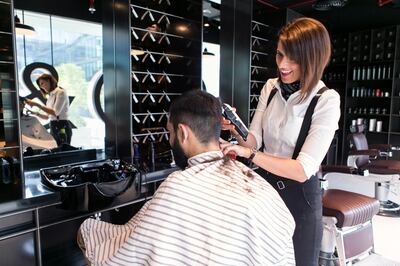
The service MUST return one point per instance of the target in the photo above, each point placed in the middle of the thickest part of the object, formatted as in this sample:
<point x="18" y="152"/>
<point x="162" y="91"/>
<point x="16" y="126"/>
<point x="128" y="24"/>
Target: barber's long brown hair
<point x="53" y="82"/>
<point x="306" y="41"/>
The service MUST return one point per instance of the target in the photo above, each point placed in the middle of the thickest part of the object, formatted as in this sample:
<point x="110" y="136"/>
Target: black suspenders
<point x="305" y="126"/>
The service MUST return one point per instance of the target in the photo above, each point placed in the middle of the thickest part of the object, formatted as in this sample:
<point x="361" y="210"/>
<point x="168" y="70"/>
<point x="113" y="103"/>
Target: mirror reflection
<point x="70" y="50"/>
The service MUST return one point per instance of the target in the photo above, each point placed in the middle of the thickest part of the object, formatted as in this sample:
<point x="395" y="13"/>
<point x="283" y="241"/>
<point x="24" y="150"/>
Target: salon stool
<point x="347" y="216"/>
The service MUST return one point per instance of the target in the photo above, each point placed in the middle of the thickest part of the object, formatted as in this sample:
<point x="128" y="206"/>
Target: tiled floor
<point x="387" y="237"/>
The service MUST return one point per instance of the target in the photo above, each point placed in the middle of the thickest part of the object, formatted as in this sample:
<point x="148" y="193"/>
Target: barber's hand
<point x="229" y="148"/>
<point x="31" y="102"/>
<point x="227" y="125"/>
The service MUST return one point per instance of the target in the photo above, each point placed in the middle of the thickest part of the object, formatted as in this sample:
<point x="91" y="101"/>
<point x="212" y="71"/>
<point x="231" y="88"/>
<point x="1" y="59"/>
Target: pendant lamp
<point x="23" y="29"/>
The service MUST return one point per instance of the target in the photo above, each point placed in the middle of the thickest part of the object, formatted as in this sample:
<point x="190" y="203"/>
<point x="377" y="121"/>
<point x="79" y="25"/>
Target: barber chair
<point x="347" y="222"/>
<point x="383" y="172"/>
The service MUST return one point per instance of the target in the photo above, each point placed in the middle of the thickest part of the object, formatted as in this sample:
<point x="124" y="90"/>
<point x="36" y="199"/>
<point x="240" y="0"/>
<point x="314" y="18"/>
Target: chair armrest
<point x="344" y="169"/>
<point x="370" y="152"/>
<point x="380" y="147"/>
<point x="337" y="169"/>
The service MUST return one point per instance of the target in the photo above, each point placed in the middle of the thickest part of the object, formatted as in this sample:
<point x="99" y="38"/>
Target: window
<point x="210" y="68"/>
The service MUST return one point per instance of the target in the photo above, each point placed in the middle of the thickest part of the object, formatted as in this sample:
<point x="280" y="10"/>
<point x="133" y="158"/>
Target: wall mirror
<point x="67" y="42"/>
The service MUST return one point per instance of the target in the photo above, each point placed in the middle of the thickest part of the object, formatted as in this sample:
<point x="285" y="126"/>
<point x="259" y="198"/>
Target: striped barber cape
<point x="215" y="212"/>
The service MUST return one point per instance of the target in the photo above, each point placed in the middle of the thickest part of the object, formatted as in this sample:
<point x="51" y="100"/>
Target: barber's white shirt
<point x="59" y="102"/>
<point x="278" y="126"/>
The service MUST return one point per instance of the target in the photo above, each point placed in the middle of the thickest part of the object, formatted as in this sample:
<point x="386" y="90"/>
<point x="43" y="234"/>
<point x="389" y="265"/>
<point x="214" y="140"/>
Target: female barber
<point x="302" y="54"/>
<point x="56" y="108"/>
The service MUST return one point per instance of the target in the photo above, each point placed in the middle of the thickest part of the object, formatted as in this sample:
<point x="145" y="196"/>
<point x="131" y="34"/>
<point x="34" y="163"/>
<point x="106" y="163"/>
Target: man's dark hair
<point x="200" y="111"/>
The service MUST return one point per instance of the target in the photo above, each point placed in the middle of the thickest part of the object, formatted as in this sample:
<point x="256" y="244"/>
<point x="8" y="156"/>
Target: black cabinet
<point x="18" y="236"/>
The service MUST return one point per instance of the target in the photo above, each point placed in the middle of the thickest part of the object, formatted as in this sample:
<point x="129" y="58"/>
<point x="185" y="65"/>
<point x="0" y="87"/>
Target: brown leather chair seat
<point x="349" y="208"/>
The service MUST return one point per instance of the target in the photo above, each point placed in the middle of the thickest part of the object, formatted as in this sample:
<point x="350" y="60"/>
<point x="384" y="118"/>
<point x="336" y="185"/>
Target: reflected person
<point x="56" y="108"/>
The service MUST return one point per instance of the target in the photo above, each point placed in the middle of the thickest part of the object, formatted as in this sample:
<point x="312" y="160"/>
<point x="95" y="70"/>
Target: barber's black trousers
<point x="61" y="136"/>
<point x="304" y="200"/>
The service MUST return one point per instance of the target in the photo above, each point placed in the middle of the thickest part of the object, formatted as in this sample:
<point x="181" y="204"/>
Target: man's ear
<point x="182" y="133"/>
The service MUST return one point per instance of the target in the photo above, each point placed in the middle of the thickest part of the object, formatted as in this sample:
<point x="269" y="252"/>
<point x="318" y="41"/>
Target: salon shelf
<point x="256" y="52"/>
<point x="9" y="148"/>
<point x="375" y="132"/>
<point x="368" y="115"/>
<point x="6" y="90"/>
<point x="164" y="13"/>
<point x="169" y="66"/>
<point x="8" y="120"/>
<point x="370" y="80"/>
<point x="164" y="34"/>
<point x="192" y="8"/>
<point x="262" y="39"/>
<point x="371" y="62"/>
<point x="335" y="81"/>
<point x="369" y="39"/>
<point x="261" y="67"/>
<point x="262" y="24"/>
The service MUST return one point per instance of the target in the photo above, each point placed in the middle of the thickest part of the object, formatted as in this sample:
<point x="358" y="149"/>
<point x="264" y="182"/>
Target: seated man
<point x="216" y="211"/>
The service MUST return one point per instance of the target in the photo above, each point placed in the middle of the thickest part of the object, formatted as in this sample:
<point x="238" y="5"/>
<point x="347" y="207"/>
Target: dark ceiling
<point x="72" y="8"/>
<point x="355" y="15"/>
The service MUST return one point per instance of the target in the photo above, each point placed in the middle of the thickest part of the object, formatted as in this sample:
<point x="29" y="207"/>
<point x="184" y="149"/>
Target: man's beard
<point x="179" y="156"/>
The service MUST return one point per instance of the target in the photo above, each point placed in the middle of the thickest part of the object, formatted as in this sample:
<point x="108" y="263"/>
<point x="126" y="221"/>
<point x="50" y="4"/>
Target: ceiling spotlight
<point x="206" y="24"/>
<point x="23" y="29"/>
<point x="91" y="9"/>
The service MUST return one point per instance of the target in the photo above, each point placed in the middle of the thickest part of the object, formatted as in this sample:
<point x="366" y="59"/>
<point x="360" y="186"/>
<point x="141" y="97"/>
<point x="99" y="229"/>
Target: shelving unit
<point x="156" y="49"/>
<point x="263" y="42"/>
<point x="264" y="33"/>
<point x="166" y="46"/>
<point x="10" y="151"/>
<point x="372" y="86"/>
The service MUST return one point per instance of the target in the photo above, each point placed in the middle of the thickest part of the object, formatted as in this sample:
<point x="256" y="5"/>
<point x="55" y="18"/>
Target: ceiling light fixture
<point x="137" y="51"/>
<point x="23" y="29"/>
<point x="92" y="9"/>
<point x="324" y="5"/>
<point x="206" y="53"/>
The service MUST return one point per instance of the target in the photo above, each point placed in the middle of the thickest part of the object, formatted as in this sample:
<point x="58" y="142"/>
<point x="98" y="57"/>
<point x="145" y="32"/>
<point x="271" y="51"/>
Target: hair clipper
<point x="230" y="115"/>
